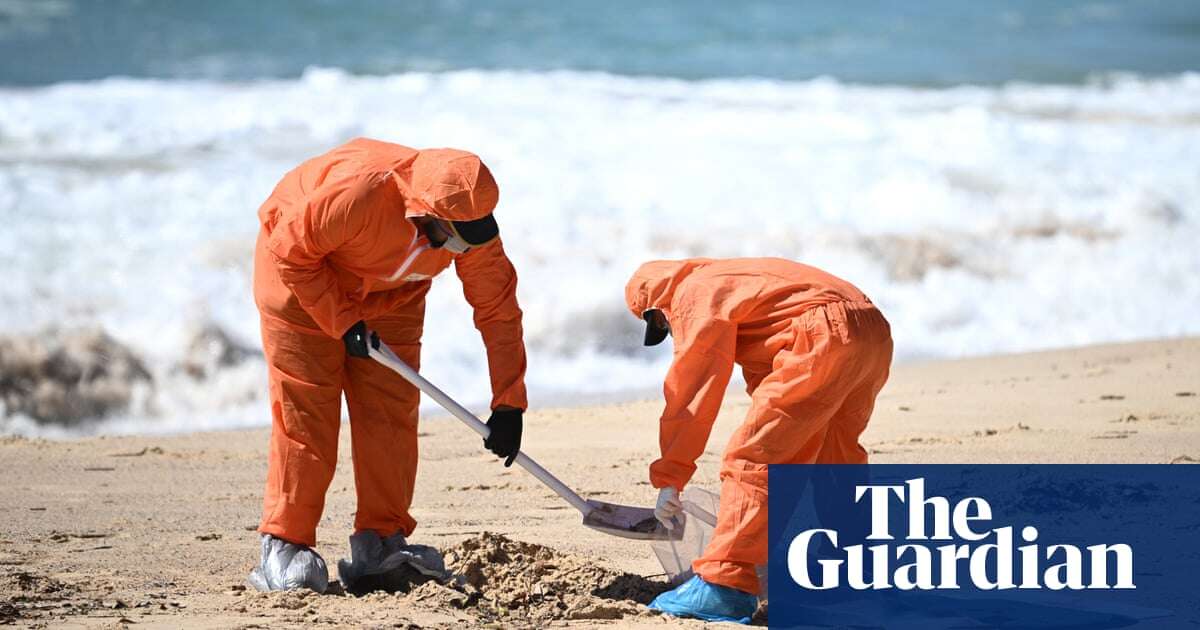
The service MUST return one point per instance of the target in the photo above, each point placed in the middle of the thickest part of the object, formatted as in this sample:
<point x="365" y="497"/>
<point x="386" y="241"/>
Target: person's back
<point x="358" y="158"/>
<point x="782" y="288"/>
<point x="760" y="296"/>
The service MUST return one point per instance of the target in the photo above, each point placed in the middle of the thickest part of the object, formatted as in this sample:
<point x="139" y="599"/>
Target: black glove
<point x="356" y="340"/>
<point x="505" y="438"/>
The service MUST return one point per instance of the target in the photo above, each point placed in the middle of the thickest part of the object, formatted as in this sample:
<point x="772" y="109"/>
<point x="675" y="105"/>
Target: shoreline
<point x="145" y="427"/>
<point x="169" y="519"/>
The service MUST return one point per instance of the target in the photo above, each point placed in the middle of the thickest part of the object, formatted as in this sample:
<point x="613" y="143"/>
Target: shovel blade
<point x="627" y="521"/>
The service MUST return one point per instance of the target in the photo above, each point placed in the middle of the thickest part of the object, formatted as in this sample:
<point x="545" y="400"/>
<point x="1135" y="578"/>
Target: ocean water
<point x="993" y="190"/>
<point x="930" y="43"/>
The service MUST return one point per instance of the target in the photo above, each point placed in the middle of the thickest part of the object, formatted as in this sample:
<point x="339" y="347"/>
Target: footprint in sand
<point x="1020" y="426"/>
<point x="1114" y="435"/>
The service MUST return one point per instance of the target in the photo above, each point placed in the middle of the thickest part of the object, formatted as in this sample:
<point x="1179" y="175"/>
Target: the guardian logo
<point x="884" y="559"/>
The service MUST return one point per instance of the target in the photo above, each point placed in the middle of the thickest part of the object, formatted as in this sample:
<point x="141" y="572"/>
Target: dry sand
<point x="158" y="531"/>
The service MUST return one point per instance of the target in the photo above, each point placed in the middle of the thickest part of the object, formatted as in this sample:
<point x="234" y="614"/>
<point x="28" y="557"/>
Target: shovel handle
<point x="384" y="355"/>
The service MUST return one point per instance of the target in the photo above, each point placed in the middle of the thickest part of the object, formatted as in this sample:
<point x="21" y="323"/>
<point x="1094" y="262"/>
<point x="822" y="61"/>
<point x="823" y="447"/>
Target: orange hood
<point x="654" y="283"/>
<point x="449" y="184"/>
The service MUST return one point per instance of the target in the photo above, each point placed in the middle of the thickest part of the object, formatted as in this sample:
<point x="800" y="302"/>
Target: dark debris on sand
<point x="29" y="597"/>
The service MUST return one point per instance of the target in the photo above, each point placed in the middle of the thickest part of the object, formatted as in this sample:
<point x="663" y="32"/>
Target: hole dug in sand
<point x="499" y="579"/>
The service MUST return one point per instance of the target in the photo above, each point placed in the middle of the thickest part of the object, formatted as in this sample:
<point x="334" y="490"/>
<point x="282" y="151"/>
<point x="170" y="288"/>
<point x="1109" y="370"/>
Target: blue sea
<point x="927" y="43"/>
<point x="999" y="176"/>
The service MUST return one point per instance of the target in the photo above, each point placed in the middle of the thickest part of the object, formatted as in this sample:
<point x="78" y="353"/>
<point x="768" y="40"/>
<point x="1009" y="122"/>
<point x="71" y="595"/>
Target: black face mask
<point x="654" y="333"/>
<point x="453" y="243"/>
<point x="431" y="234"/>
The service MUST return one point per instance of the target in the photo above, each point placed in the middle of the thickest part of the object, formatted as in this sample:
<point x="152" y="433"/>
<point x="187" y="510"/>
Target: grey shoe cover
<point x="286" y="566"/>
<point x="388" y="563"/>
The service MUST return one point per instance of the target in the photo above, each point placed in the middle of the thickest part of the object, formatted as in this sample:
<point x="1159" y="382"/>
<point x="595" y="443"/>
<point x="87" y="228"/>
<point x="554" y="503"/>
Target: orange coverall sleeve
<point x="694" y="388"/>
<point x="304" y="237"/>
<point x="490" y="286"/>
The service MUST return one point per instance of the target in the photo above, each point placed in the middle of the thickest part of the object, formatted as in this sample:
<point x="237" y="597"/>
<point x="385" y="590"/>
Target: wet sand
<point x="159" y="531"/>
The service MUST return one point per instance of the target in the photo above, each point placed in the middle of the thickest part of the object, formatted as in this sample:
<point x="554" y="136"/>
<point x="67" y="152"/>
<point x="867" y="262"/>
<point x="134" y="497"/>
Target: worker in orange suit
<point x="348" y="245"/>
<point x="814" y="352"/>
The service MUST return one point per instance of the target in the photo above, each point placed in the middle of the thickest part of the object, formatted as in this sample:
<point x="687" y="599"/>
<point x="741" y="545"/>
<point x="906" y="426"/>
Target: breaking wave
<point x="981" y="219"/>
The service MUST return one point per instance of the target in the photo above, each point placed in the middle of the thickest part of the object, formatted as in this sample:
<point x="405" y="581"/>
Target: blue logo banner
<point x="984" y="546"/>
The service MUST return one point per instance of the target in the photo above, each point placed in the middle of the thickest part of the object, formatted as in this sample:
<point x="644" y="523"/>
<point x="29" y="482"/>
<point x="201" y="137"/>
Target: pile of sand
<point x="500" y="579"/>
<point x="495" y="581"/>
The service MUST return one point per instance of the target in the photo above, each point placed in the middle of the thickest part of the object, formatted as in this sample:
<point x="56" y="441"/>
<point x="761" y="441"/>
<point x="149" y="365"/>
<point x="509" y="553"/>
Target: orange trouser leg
<point x="841" y="445"/>
<point x="305" y="375"/>
<point x="383" y="425"/>
<point x="792" y="414"/>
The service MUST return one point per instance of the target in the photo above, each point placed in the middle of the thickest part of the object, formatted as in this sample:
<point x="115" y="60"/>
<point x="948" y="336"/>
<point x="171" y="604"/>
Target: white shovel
<point x="619" y="520"/>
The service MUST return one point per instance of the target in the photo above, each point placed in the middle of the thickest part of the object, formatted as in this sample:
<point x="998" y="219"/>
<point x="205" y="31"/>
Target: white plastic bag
<point x="676" y="556"/>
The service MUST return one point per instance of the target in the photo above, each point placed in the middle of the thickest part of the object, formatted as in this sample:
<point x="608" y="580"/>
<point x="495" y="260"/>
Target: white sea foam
<point x="980" y="219"/>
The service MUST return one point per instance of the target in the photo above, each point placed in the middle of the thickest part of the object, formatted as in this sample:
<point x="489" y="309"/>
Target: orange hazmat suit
<point x="337" y="246"/>
<point x="814" y="352"/>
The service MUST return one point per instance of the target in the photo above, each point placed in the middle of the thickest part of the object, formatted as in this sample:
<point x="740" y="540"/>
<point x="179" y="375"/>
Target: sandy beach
<point x="1014" y="186"/>
<point x="159" y="531"/>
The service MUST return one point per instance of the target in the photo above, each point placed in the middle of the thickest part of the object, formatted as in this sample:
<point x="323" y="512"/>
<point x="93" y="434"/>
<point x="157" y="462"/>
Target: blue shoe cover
<point x="710" y="602"/>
